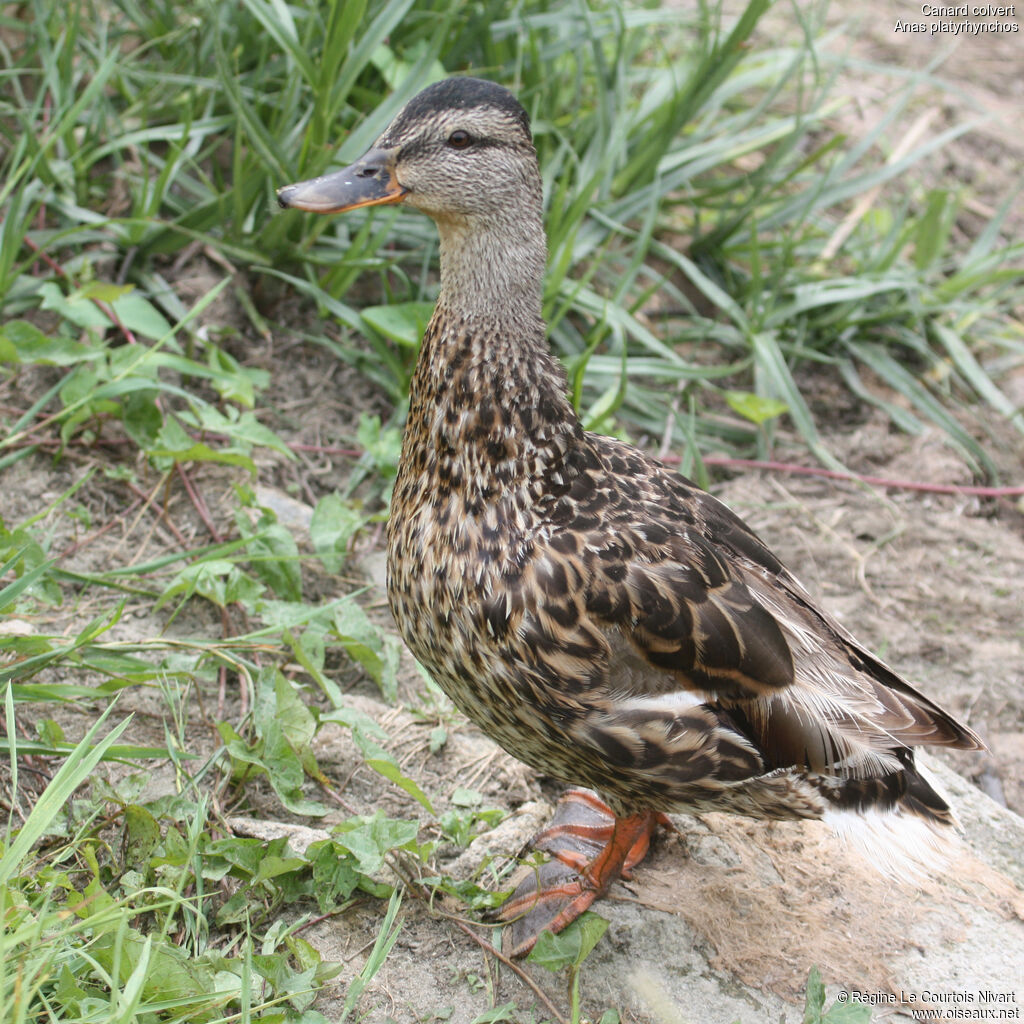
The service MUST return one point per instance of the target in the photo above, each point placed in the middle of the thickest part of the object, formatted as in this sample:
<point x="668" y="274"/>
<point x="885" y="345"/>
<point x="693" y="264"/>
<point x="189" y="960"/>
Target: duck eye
<point x="459" y="139"/>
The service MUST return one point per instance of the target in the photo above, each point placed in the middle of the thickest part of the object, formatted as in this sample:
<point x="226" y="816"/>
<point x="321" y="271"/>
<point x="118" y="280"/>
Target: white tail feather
<point x="900" y="846"/>
<point x="896" y="843"/>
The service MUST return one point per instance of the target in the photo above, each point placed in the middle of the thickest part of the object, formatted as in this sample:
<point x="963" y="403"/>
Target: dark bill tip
<point x="370" y="181"/>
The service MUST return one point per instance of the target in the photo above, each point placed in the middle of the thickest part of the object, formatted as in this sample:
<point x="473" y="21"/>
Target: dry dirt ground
<point x="934" y="583"/>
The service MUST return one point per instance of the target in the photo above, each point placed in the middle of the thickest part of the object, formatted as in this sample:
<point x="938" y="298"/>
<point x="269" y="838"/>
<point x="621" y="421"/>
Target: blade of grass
<point x="71" y="774"/>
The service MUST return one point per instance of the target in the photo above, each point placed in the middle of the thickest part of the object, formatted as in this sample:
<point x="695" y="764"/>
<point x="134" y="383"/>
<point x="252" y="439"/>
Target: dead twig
<point x="418" y="892"/>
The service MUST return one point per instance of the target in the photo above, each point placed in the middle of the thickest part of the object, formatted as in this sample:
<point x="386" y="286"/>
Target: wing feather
<point x="715" y="660"/>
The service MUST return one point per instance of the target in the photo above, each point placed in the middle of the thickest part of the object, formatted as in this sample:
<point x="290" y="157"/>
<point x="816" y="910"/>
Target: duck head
<point x="460" y="151"/>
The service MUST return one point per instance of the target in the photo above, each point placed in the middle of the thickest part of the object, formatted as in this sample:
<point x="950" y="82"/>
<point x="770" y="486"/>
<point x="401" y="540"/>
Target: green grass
<point x="136" y="133"/>
<point x="694" y="189"/>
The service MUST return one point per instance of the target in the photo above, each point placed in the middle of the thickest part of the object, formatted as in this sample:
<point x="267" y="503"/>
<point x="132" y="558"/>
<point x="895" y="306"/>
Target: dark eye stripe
<point x="423" y="146"/>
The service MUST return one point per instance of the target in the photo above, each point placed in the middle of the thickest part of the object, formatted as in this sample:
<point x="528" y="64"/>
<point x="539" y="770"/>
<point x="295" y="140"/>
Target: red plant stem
<point x="107" y="309"/>
<point x="319" y="449"/>
<point x="876" y="481"/>
<point x="200" y="505"/>
<point x="775" y="467"/>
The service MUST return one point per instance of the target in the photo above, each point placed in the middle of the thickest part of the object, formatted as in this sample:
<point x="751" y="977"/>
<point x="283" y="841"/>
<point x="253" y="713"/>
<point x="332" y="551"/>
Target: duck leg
<point x="591" y="848"/>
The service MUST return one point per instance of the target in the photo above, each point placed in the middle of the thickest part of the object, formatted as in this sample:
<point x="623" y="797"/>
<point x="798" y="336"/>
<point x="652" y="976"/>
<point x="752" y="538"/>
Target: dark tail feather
<point x="906" y="790"/>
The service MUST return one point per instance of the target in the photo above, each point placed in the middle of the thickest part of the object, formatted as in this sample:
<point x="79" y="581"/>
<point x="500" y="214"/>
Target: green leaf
<point x="814" y="1000"/>
<point x="402" y="322"/>
<point x="358" y="721"/>
<point x="385" y="940"/>
<point x="218" y="580"/>
<point x="334" y="873"/>
<point x="143" y="835"/>
<point x="25" y="343"/>
<point x="382" y="444"/>
<point x="334" y="524"/>
<point x="847" y="1013"/>
<point x="571" y="946"/>
<point x="142" y="418"/>
<point x="310" y="650"/>
<point x="286" y="708"/>
<point x="378" y="653"/>
<point x="975" y="375"/>
<point x="274" y="558"/>
<point x="272" y="867"/>
<point x="285" y="770"/>
<point x="77" y="307"/>
<point x="381" y="761"/>
<point x="140" y="316"/>
<point x="934" y="227"/>
<point x="370" y="839"/>
<point x="393" y="773"/>
<point x="174" y="442"/>
<point x="29" y="576"/>
<point x="756" y="408"/>
<point x="243" y="428"/>
<point x="234" y="382"/>
<point x="438" y="738"/>
<point x="105" y="291"/>
<point x="55" y="798"/>
<point x="239" y="855"/>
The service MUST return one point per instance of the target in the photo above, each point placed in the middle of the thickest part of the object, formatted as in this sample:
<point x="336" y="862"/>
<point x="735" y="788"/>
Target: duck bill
<point x="370" y="181"/>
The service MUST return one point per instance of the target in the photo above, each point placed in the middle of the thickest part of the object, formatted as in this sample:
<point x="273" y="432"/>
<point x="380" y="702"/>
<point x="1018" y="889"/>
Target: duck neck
<point x="493" y="268"/>
<point x="488" y="407"/>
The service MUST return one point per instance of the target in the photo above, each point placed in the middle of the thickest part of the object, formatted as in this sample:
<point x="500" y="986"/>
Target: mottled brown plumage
<point x="597" y="614"/>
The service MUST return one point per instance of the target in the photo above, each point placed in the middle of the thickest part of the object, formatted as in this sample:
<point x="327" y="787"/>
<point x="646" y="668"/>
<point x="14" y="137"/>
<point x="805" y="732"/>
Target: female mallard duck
<point x="597" y="614"/>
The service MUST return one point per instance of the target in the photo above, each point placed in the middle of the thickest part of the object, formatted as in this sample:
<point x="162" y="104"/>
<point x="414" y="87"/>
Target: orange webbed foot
<point x="592" y="849"/>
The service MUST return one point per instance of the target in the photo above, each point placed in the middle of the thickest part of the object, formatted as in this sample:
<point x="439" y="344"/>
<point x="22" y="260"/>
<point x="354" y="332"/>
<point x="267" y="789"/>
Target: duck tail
<point x="901" y="824"/>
